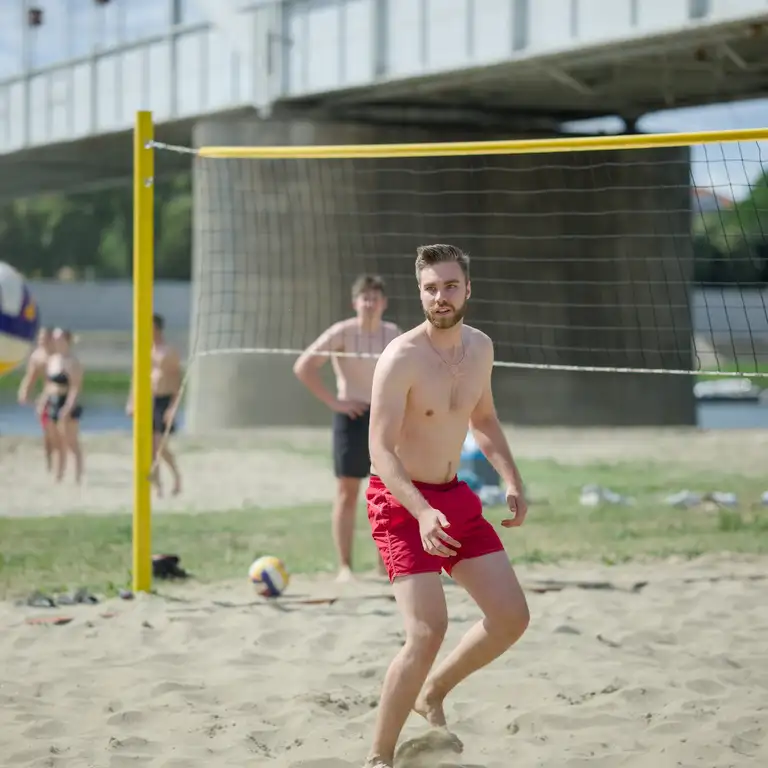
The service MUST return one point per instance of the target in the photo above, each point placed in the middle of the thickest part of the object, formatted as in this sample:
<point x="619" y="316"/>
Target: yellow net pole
<point x="143" y="292"/>
<point x="505" y="147"/>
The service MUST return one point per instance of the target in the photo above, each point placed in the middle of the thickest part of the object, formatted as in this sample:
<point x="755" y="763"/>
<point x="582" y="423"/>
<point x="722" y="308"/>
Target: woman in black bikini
<point x="64" y="381"/>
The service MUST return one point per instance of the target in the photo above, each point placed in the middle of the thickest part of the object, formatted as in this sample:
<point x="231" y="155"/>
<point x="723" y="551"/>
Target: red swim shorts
<point x="44" y="418"/>
<point x="396" y="531"/>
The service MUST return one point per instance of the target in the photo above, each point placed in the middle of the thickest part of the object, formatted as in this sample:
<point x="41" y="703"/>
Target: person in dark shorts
<point x="350" y="445"/>
<point x="166" y="390"/>
<point x="161" y="405"/>
<point x="353" y="346"/>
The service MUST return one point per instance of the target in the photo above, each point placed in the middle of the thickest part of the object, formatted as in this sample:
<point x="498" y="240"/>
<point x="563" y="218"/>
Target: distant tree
<point x="736" y="238"/>
<point x="173" y="251"/>
<point x="92" y="233"/>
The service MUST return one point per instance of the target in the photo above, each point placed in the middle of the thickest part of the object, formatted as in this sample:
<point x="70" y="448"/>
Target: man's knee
<point x="426" y="637"/>
<point x="493" y="584"/>
<point x="347" y="491"/>
<point x="511" y="621"/>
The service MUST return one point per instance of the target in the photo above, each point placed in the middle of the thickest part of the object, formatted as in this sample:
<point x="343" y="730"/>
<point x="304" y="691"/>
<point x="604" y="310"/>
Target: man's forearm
<point x="310" y="378"/>
<point x="392" y="473"/>
<point x="492" y="442"/>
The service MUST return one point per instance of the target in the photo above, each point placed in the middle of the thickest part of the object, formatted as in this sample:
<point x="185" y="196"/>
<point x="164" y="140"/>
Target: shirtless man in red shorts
<point x="429" y="383"/>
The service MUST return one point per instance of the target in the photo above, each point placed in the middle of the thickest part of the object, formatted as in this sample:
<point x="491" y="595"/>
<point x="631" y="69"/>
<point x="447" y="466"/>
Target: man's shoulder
<point x="168" y="352"/>
<point x="476" y="336"/>
<point x="403" y="347"/>
<point x="340" y="326"/>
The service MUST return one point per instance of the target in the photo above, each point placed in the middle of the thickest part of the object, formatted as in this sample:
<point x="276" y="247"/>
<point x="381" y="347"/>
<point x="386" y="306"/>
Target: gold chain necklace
<point x="451" y="366"/>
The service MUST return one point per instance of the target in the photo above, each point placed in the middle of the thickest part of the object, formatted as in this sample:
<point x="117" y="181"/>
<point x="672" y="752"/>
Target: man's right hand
<point x="352" y="408"/>
<point x="434" y="539"/>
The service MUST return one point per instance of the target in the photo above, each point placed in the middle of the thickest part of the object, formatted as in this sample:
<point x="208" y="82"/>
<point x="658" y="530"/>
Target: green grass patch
<point x="96" y="382"/>
<point x="60" y="553"/>
<point x="758" y="370"/>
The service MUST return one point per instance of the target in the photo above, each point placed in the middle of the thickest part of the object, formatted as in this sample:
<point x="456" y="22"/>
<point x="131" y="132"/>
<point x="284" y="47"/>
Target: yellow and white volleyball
<point x="19" y="319"/>
<point x="269" y="575"/>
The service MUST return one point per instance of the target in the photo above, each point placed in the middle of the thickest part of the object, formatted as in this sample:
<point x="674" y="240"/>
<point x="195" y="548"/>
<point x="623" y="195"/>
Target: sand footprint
<point x="438" y="746"/>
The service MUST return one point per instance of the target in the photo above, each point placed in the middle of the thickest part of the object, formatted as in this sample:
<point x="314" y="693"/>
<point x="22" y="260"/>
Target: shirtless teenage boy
<point x="364" y="334"/>
<point x="36" y="368"/>
<point x="428" y="385"/>
<point x="166" y="389"/>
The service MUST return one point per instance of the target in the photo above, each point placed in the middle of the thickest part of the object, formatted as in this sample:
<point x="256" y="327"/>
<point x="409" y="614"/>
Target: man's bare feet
<point x="376" y="762"/>
<point x="430" y="707"/>
<point x="154" y="479"/>
<point x="345" y="575"/>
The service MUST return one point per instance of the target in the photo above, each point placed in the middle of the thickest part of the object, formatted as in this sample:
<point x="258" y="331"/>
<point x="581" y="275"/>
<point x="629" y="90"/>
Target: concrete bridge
<point x="343" y="71"/>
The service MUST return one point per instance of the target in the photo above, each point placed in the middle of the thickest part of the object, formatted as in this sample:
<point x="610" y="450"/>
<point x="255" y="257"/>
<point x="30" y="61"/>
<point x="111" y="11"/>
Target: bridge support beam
<point x="600" y="279"/>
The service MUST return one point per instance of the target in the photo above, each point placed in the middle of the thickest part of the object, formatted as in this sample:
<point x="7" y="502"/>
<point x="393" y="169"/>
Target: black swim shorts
<point x="351" y="457"/>
<point x="160" y="404"/>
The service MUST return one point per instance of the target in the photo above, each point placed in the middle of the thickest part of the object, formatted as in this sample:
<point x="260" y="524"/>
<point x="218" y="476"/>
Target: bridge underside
<point x="685" y="69"/>
<point x="531" y="97"/>
<point x="86" y="164"/>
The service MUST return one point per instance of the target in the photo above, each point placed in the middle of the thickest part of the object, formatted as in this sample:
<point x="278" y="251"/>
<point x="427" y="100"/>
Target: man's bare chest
<point x="364" y="345"/>
<point x="442" y="390"/>
<point x="159" y="360"/>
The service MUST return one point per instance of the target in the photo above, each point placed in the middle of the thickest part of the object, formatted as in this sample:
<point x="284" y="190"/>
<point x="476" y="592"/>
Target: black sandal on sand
<point x="167" y="567"/>
<point x="39" y="600"/>
<point x="80" y="597"/>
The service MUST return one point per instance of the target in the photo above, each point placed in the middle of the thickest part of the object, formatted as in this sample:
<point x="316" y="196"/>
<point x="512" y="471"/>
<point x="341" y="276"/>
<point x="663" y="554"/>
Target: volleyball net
<point x="639" y="253"/>
<point x="587" y="254"/>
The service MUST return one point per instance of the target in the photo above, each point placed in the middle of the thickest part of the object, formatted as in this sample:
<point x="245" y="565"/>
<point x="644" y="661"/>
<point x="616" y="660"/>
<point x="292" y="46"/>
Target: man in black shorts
<point x="166" y="390"/>
<point x="353" y="346"/>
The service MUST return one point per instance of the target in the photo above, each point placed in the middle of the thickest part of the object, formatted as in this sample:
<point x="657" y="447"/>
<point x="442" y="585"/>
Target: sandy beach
<point x="660" y="664"/>
<point x="672" y="673"/>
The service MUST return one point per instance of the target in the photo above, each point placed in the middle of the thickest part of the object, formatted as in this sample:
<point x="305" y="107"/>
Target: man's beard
<point x="443" y="322"/>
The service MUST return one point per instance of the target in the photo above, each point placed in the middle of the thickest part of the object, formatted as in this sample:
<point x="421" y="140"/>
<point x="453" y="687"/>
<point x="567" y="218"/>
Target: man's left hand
<point x="517" y="506"/>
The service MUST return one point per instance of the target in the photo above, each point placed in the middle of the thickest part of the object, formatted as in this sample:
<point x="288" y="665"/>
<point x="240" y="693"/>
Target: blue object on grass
<point x="474" y="469"/>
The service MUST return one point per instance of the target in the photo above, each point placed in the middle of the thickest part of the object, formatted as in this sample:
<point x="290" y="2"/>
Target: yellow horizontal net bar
<point x="505" y="147"/>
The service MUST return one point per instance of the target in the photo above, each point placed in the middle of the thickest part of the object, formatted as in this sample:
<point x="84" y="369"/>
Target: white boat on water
<point x="740" y="389"/>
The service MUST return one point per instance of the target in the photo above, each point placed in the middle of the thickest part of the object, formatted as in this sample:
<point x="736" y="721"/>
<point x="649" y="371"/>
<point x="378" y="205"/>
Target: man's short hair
<point x="158" y="321"/>
<point x="366" y="283"/>
<point x="440" y="253"/>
